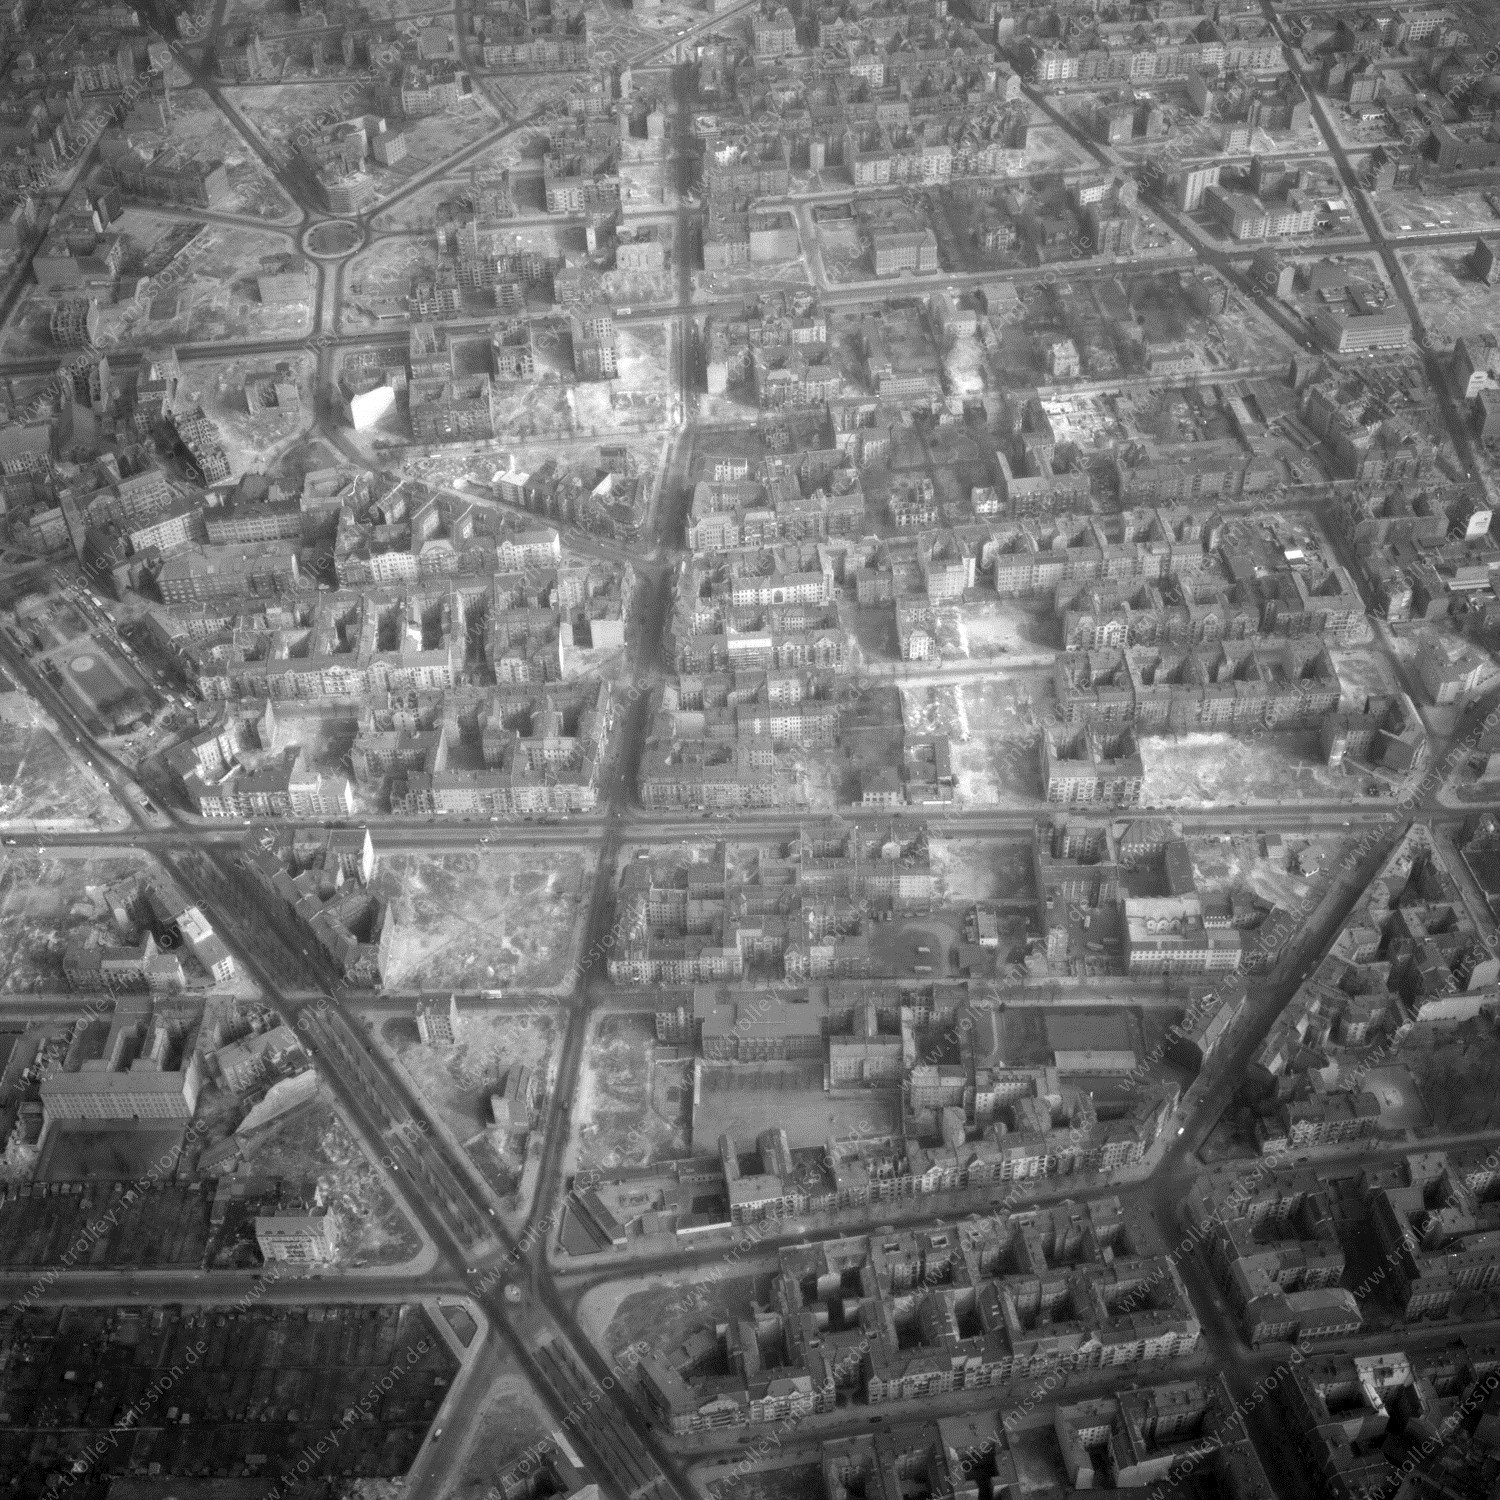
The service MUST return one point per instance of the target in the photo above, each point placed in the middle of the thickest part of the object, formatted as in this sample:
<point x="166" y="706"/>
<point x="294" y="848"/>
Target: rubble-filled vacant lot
<point x="519" y="153"/>
<point x="387" y="267"/>
<point x="994" y="731"/>
<point x="458" y="1079"/>
<point x="38" y="782"/>
<point x="279" y="19"/>
<point x="745" y="280"/>
<point x="1292" y="872"/>
<point x="1454" y="301"/>
<point x="1219" y="770"/>
<point x="208" y="293"/>
<point x="284" y="115"/>
<point x="254" y="441"/>
<point x="433" y="138"/>
<point x="528" y="94"/>
<point x="634" y="1107"/>
<point x="261" y="1390"/>
<point x="640" y="397"/>
<point x="616" y="34"/>
<point x="965" y="870"/>
<point x="45" y="905"/>
<point x="1410" y="210"/>
<point x="479" y="921"/>
<point x="199" y="126"/>
<point x="667" y="1309"/>
<point x="1001" y="626"/>
<point x="1363" y="673"/>
<point x="315" y="1146"/>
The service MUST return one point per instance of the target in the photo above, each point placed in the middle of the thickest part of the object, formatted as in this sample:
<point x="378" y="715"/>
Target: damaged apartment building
<point x="803" y="909"/>
<point x="319" y="888"/>
<point x="919" y="1313"/>
<point x="532" y="626"/>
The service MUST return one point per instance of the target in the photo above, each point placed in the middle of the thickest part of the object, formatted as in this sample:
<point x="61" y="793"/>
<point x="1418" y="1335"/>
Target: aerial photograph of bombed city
<point x="749" y="749"/>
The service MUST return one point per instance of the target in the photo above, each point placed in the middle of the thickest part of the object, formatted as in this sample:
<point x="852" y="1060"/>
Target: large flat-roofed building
<point x="1341" y="332"/>
<point x="740" y="1026"/>
<point x="897" y="251"/>
<point x="1167" y="934"/>
<point x="141" y="1093"/>
<point x="122" y="1074"/>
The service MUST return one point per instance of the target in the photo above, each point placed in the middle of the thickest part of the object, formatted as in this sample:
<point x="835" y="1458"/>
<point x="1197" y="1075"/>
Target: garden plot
<point x="479" y="921"/>
<point x="1455" y="1074"/>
